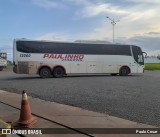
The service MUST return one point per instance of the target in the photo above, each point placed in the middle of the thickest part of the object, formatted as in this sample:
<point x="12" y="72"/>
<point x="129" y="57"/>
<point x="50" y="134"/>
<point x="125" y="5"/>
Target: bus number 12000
<point x="25" y="55"/>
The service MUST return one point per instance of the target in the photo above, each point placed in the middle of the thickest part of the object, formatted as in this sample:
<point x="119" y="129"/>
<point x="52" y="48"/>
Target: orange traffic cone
<point x="26" y="120"/>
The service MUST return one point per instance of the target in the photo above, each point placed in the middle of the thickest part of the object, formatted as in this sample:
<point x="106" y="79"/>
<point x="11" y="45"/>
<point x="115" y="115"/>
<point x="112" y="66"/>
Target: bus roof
<point x="79" y="42"/>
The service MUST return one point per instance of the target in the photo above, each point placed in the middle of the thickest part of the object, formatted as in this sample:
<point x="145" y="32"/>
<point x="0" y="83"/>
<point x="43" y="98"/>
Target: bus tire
<point x="124" y="71"/>
<point x="58" y="72"/>
<point x="45" y="72"/>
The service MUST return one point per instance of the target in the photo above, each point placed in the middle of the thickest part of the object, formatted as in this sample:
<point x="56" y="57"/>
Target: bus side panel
<point x="94" y="67"/>
<point x="23" y="68"/>
<point x="133" y="66"/>
<point x="32" y="67"/>
<point x="140" y="68"/>
<point x="91" y="67"/>
<point x="110" y="68"/>
<point x="31" y="63"/>
<point x="78" y="67"/>
<point x="113" y="63"/>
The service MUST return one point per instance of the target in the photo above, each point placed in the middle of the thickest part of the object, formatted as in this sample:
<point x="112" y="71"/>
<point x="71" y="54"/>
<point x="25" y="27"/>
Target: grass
<point x="9" y="66"/>
<point x="152" y="66"/>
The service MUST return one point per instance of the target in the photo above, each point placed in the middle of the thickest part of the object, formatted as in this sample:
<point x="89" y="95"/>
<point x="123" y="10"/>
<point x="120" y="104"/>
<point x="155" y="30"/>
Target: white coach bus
<point x="57" y="59"/>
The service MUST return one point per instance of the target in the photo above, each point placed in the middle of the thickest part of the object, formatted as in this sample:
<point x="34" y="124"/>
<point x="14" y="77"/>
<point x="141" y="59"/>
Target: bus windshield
<point x="138" y="55"/>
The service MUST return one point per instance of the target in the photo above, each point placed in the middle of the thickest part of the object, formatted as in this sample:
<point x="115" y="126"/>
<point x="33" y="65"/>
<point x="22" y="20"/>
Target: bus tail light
<point x="14" y="67"/>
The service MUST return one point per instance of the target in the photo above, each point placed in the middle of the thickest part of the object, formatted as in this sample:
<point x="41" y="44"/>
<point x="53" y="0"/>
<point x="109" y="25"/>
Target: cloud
<point x="134" y="19"/>
<point x="95" y="10"/>
<point x="145" y="1"/>
<point x="47" y="4"/>
<point x="149" y="44"/>
<point x="80" y="2"/>
<point x="140" y="14"/>
<point x="137" y="19"/>
<point x="153" y="34"/>
<point x="54" y="37"/>
<point x="92" y="9"/>
<point x="148" y="41"/>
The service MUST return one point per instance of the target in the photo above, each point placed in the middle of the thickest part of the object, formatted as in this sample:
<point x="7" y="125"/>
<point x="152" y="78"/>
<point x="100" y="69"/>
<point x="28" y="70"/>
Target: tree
<point x="158" y="57"/>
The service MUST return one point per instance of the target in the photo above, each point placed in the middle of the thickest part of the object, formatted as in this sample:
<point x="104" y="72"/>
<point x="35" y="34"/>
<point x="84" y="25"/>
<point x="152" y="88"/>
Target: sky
<point x="70" y="20"/>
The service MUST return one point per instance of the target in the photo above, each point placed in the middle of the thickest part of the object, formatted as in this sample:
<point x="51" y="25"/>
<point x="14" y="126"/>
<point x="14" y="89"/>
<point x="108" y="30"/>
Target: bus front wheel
<point x="124" y="71"/>
<point x="58" y="72"/>
<point x="45" y="72"/>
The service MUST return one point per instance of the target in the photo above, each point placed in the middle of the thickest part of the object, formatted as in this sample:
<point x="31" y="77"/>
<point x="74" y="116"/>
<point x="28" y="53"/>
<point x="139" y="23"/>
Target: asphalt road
<point x="135" y="98"/>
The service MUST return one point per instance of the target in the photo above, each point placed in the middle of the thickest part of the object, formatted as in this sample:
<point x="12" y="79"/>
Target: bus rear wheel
<point x="124" y="71"/>
<point x="58" y="72"/>
<point x="45" y="72"/>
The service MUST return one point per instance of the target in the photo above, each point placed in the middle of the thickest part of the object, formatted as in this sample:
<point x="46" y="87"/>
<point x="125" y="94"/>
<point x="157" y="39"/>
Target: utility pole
<point x="113" y="22"/>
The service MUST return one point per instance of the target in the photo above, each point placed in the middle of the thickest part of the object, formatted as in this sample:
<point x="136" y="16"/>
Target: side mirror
<point x="145" y="54"/>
